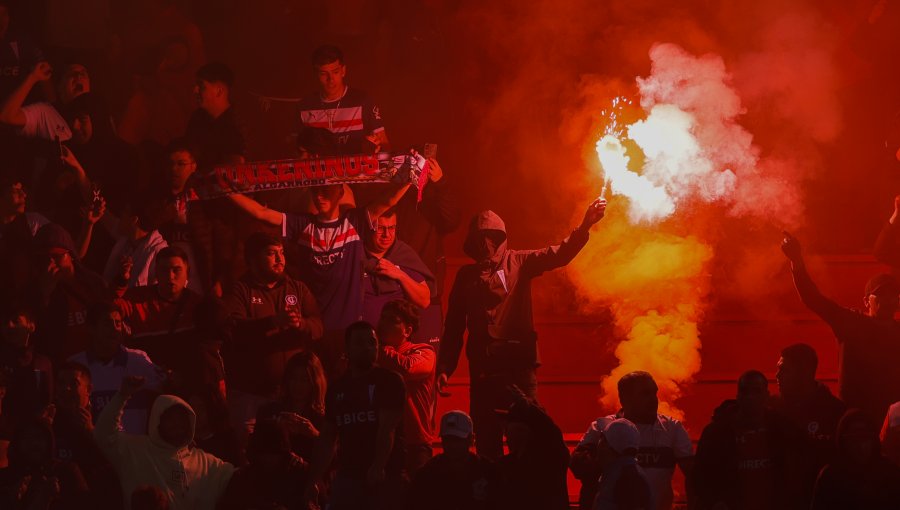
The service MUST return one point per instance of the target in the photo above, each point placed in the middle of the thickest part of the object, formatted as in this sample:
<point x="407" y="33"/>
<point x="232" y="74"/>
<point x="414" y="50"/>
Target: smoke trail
<point x="727" y="132"/>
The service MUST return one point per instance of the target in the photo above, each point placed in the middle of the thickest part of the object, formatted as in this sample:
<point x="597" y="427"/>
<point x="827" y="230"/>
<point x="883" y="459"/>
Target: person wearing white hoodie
<point x="189" y="477"/>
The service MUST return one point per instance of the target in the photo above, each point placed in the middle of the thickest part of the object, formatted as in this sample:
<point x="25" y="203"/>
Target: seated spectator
<point x="363" y="415"/>
<point x="457" y="477"/>
<point x="108" y="361"/>
<point x="35" y="478"/>
<point x="190" y="477"/>
<point x="275" y="317"/>
<point x="73" y="428"/>
<point x="132" y="261"/>
<point x="162" y="318"/>
<point x="392" y="270"/>
<point x="663" y="442"/>
<point x="214" y="433"/>
<point x="28" y="375"/>
<point x="869" y="341"/>
<point x="860" y="476"/>
<point x="301" y="402"/>
<point x="275" y="477"/>
<point x="810" y="407"/>
<point x="890" y="434"/>
<point x="623" y="484"/>
<point x="62" y="292"/>
<point x="415" y="363"/>
<point x="746" y="457"/>
<point x="534" y="471"/>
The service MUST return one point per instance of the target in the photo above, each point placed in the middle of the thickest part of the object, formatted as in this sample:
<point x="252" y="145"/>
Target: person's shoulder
<point x="386" y="376"/>
<point x="668" y="423"/>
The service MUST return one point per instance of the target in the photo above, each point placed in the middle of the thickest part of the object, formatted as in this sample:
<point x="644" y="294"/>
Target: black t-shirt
<point x="217" y="139"/>
<point x="353" y="404"/>
<point x="350" y="119"/>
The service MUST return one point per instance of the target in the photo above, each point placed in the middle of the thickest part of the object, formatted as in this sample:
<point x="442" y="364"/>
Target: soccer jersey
<point x="353" y="404"/>
<point x="663" y="442"/>
<point x="350" y="118"/>
<point x="331" y="262"/>
<point x="106" y="379"/>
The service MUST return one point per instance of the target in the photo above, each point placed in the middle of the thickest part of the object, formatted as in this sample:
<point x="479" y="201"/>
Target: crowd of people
<point x="286" y="348"/>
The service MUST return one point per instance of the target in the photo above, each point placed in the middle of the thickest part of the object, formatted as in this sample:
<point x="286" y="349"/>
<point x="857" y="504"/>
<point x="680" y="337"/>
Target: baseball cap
<point x="621" y="435"/>
<point x="884" y="282"/>
<point x="456" y="423"/>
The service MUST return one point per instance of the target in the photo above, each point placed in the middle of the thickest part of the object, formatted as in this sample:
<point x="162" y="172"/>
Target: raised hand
<point x="594" y="213"/>
<point x="791" y="248"/>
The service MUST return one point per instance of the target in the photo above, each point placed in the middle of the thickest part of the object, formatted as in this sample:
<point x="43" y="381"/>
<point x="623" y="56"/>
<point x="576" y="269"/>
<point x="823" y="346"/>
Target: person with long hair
<point x="301" y="402"/>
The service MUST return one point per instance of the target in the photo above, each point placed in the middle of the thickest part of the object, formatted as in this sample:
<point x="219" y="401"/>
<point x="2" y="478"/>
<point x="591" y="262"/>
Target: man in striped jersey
<point x="346" y="112"/>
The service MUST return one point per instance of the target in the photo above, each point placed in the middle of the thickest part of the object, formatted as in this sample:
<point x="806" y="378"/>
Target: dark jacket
<point x="440" y="485"/>
<point x="535" y="477"/>
<point x="492" y="300"/>
<point x="715" y="477"/>
<point x="846" y="484"/>
<point x="869" y="348"/>
<point x="817" y="419"/>
<point x="256" y="356"/>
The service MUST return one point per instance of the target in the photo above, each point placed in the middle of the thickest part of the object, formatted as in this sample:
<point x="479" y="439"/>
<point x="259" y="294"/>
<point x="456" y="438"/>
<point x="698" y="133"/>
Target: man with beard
<point x="275" y="317"/>
<point x="492" y="300"/>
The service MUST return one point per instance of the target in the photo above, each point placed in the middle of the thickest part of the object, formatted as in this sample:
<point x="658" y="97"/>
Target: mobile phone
<point x="430" y="150"/>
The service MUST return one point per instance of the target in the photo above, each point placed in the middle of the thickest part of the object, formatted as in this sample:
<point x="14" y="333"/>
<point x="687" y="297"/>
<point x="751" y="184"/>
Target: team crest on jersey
<point x="290" y="300"/>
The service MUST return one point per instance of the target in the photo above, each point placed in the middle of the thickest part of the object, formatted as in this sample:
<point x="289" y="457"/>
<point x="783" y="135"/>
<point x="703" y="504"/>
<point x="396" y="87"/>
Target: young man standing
<point x="344" y="111"/>
<point x="363" y="413"/>
<point x="415" y="363"/>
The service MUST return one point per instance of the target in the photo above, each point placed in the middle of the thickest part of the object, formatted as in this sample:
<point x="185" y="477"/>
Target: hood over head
<point x="160" y="405"/>
<point x="485" y="222"/>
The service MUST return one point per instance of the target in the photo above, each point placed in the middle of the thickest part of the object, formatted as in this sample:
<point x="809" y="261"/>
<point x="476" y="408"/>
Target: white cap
<point x="621" y="435"/>
<point x="456" y="423"/>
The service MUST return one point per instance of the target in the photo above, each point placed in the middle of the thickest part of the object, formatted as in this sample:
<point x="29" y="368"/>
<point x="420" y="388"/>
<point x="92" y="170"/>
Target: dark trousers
<point x="489" y="393"/>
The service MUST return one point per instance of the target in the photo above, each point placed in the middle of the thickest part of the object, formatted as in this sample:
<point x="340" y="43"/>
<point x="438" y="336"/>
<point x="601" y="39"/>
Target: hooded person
<point x="860" y="475"/>
<point x="165" y="457"/>
<point x="492" y="300"/>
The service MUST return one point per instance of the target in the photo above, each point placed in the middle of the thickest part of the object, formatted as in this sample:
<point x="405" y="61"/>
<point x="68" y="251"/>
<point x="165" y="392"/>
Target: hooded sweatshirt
<point x="492" y="299"/>
<point x="190" y="477"/>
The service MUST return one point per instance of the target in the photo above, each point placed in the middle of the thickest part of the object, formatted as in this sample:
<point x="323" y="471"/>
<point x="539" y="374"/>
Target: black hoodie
<point x="492" y="300"/>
